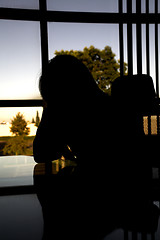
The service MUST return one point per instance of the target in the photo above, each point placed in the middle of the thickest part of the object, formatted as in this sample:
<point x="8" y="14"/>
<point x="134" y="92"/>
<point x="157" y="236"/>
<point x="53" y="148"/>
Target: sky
<point x="20" y="55"/>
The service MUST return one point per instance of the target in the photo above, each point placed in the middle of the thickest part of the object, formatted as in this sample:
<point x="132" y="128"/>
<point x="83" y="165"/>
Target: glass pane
<point x="144" y="54"/>
<point x="151" y="6"/>
<point x="13" y="131"/>
<point x="125" y="46"/>
<point x="152" y="52"/>
<point x="73" y="36"/>
<point x="83" y="5"/>
<point x="134" y="39"/>
<point x="124" y="6"/>
<point x="16" y="151"/>
<point x="134" y="6"/>
<point x="20" y="59"/>
<point x="143" y="6"/>
<point x="29" y="4"/>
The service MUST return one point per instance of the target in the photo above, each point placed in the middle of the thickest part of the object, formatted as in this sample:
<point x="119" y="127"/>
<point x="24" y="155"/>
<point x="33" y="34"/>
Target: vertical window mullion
<point x="44" y="34"/>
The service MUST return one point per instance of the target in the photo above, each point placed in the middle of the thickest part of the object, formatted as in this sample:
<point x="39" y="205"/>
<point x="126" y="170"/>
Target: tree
<point x="37" y="119"/>
<point x="19" y="125"/>
<point x="33" y="121"/>
<point x="102" y="64"/>
<point x="17" y="145"/>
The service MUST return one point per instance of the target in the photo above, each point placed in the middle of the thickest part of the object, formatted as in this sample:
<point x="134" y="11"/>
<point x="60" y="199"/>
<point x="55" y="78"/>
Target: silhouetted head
<point x="134" y="93"/>
<point x="67" y="80"/>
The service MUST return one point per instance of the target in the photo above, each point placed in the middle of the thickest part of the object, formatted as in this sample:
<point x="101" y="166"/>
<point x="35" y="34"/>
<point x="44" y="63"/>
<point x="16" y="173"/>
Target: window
<point x="16" y="153"/>
<point x="20" y="67"/>
<point x="40" y="27"/>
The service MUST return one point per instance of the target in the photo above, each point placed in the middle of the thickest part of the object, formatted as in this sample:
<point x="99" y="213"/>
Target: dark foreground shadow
<point x="75" y="209"/>
<point x="72" y="207"/>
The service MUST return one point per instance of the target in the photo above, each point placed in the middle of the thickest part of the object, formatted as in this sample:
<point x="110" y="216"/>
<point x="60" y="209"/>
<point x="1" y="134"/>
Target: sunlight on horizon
<point x="6" y="113"/>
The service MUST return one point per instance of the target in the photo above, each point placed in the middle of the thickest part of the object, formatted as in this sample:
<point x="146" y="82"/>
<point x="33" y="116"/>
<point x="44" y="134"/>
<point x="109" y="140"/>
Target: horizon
<point x="7" y="114"/>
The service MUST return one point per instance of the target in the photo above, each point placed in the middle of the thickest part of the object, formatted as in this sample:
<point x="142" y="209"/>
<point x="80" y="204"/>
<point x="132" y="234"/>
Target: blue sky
<point x="83" y="5"/>
<point x="20" y="58"/>
<point x="76" y="36"/>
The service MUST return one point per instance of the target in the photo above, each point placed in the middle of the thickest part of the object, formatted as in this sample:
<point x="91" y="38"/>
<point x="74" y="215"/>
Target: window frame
<point x="44" y="16"/>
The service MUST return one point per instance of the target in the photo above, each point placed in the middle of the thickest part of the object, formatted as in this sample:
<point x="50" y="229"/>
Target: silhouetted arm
<point x="48" y="143"/>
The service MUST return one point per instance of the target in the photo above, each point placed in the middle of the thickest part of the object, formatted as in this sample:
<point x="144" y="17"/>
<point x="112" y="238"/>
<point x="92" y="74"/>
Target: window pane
<point x="16" y="151"/>
<point x="76" y="36"/>
<point x="125" y="46"/>
<point x="12" y="132"/>
<point x="124" y="6"/>
<point x="134" y="39"/>
<point x="151" y="6"/>
<point x="29" y="4"/>
<point x="20" y="60"/>
<point x="7" y="113"/>
<point x="152" y="52"/>
<point x="83" y="5"/>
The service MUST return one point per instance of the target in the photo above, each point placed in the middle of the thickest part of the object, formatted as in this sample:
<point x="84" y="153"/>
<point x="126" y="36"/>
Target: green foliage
<point x="19" y="125"/>
<point x="16" y="146"/>
<point x="101" y="63"/>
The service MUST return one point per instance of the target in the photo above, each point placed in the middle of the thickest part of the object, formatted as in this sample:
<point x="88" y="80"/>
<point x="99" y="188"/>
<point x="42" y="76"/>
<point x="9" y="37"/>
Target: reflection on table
<point x="16" y="170"/>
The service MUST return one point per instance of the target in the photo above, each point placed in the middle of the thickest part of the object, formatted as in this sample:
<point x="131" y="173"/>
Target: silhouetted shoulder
<point x="48" y="143"/>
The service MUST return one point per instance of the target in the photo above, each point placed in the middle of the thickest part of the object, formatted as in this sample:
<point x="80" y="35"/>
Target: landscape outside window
<point x="94" y="44"/>
<point x="20" y="67"/>
<point x="18" y="128"/>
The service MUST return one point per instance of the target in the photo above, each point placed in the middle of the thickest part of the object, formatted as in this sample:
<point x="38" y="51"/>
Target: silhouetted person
<point x="78" y="204"/>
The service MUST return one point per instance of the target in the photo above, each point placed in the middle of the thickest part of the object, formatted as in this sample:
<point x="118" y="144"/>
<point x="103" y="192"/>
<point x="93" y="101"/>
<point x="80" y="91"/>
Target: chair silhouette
<point x="134" y="97"/>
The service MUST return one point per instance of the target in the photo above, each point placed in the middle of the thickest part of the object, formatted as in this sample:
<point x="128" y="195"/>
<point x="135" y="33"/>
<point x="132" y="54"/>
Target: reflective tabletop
<point x="16" y="170"/>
